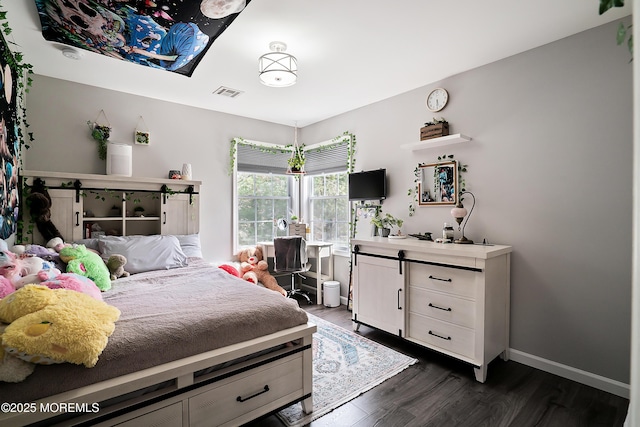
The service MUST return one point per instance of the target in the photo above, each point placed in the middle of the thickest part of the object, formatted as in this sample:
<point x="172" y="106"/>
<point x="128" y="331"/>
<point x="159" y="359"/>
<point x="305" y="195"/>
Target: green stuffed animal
<point x="82" y="261"/>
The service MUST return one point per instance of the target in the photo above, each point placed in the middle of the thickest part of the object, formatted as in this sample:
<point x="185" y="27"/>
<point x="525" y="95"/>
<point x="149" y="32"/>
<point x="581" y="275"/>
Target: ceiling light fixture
<point x="277" y="68"/>
<point x="72" y="53"/>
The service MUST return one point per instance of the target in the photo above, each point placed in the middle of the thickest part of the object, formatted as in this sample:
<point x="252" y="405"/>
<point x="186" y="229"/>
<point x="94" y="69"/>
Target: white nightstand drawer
<point x="260" y="387"/>
<point x="441" y="334"/>
<point x="445" y="279"/>
<point x="442" y="306"/>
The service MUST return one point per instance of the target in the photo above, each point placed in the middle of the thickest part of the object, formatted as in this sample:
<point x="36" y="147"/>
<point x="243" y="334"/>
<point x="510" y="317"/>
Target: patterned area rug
<point x="345" y="365"/>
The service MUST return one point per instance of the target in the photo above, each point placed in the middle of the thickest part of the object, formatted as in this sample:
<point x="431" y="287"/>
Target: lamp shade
<point x="277" y="68"/>
<point x="459" y="212"/>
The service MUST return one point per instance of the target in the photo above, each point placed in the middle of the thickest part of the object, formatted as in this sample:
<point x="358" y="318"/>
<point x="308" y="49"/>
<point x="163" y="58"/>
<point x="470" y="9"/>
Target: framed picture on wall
<point x="438" y="184"/>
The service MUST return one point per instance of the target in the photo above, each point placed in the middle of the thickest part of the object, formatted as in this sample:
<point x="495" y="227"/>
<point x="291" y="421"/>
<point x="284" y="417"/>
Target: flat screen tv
<point x="368" y="185"/>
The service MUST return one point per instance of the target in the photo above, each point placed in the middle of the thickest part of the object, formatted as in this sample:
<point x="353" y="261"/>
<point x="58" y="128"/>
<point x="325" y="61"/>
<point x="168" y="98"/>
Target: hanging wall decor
<point x="165" y="34"/>
<point x="100" y="131"/>
<point x="141" y="136"/>
<point x="9" y="142"/>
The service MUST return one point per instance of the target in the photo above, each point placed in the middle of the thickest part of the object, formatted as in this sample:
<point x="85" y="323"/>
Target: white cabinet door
<point x="379" y="293"/>
<point x="180" y="214"/>
<point x="66" y="215"/>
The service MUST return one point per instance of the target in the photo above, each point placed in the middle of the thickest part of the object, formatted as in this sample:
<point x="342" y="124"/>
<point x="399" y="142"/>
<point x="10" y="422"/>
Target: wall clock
<point x="437" y="99"/>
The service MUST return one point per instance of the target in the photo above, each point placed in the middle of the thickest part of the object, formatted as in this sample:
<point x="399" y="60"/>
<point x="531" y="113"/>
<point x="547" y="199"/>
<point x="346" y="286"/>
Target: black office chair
<point x="291" y="259"/>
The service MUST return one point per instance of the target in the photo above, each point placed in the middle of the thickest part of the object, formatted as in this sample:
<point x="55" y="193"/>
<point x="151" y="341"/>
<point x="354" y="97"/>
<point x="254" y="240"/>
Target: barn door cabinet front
<point x="456" y="300"/>
<point x="87" y="206"/>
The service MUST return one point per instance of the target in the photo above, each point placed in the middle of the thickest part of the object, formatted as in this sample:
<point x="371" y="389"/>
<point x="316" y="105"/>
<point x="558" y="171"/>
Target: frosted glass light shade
<point x="277" y="68"/>
<point x="459" y="212"/>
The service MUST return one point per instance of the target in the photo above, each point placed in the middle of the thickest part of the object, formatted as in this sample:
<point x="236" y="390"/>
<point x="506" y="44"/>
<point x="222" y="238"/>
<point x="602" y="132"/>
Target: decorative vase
<point x="186" y="171"/>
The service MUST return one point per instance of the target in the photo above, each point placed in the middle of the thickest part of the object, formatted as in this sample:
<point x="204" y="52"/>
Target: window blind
<point x="326" y="159"/>
<point x="329" y="158"/>
<point x="256" y="160"/>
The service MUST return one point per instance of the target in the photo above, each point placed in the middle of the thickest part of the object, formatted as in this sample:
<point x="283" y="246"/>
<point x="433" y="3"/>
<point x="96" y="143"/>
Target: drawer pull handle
<point x="440" y="308"/>
<point x="77" y="219"/>
<point x="437" y="278"/>
<point x="240" y="399"/>
<point x="440" y="336"/>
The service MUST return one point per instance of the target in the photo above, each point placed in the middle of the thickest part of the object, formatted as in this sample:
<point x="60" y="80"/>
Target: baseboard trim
<point x="583" y="377"/>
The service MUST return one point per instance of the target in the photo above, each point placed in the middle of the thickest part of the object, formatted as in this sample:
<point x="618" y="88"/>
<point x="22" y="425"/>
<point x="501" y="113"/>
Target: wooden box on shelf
<point x="434" y="131"/>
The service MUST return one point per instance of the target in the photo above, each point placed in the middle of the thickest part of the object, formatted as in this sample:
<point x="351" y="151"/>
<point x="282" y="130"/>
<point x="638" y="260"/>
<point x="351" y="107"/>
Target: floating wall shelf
<point x="437" y="142"/>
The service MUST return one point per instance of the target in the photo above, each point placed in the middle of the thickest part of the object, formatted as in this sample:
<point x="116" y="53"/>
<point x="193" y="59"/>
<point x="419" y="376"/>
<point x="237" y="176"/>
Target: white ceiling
<point x="350" y="53"/>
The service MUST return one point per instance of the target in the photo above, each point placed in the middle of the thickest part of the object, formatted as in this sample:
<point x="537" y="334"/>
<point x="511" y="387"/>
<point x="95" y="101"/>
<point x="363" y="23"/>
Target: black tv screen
<point x="368" y="185"/>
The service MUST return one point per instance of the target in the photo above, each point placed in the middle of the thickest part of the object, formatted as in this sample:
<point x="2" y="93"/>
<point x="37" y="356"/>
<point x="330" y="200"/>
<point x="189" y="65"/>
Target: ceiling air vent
<point x="228" y="92"/>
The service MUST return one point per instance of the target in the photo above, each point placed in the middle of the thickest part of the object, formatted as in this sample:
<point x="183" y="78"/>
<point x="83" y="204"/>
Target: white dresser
<point x="450" y="298"/>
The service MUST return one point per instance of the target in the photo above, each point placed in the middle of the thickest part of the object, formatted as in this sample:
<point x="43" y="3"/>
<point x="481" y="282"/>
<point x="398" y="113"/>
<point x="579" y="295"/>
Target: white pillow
<point x="190" y="244"/>
<point x="144" y="253"/>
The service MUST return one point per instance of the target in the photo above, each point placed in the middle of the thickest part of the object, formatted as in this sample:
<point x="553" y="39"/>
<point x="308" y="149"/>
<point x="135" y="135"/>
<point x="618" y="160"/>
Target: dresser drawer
<point x="445" y="279"/>
<point x="447" y="336"/>
<point x="298" y="230"/>
<point x="442" y="306"/>
<point x="254" y="389"/>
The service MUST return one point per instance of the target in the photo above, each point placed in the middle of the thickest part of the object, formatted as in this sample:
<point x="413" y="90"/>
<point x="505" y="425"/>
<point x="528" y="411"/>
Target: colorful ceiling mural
<point x="169" y="34"/>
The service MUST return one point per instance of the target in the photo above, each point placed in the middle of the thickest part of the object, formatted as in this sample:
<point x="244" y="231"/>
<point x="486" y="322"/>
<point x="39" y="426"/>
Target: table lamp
<point x="459" y="212"/>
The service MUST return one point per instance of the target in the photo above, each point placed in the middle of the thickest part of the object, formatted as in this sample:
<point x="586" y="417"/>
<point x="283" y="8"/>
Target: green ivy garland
<point x="339" y="140"/>
<point x="23" y="81"/>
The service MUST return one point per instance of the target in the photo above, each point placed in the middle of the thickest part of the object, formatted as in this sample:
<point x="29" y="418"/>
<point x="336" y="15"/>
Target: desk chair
<point x="291" y="259"/>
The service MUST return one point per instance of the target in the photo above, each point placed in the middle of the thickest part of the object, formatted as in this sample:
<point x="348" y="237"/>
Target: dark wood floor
<point x="440" y="391"/>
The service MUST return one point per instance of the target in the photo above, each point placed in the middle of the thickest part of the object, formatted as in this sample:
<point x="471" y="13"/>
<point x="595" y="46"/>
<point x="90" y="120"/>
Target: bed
<point x="193" y="346"/>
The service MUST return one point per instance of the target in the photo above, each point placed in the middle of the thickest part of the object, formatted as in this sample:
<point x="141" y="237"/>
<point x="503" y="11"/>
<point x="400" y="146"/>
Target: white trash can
<point x="331" y="293"/>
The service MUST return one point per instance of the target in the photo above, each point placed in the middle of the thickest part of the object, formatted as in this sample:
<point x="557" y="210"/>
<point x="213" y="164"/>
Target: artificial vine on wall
<point x="345" y="138"/>
<point x="23" y="71"/>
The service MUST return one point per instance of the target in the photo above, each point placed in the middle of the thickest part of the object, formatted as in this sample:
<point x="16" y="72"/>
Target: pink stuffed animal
<point x="10" y="266"/>
<point x="72" y="281"/>
<point x="6" y="287"/>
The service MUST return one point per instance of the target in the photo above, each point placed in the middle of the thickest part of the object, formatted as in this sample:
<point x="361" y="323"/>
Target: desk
<point x="317" y="250"/>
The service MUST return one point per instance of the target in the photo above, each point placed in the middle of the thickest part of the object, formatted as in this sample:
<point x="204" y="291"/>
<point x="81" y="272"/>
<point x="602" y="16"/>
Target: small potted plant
<point x="294" y="219"/>
<point x="384" y="224"/>
<point x="138" y="211"/>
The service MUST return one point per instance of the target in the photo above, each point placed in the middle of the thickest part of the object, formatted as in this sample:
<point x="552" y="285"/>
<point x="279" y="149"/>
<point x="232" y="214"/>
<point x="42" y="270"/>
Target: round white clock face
<point x="437" y="99"/>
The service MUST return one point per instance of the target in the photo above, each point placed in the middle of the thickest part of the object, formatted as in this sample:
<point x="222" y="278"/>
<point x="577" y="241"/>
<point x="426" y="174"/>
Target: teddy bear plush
<point x="39" y="203"/>
<point x="115" y="264"/>
<point x="88" y="264"/>
<point x="56" y="325"/>
<point x="254" y="269"/>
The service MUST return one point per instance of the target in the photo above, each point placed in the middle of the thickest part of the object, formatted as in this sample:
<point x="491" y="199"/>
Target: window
<point x="263" y="193"/>
<point x="261" y="199"/>
<point x="328" y="208"/>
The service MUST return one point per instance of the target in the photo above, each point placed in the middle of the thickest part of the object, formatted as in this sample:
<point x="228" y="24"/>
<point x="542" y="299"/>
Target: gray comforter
<point x="168" y="315"/>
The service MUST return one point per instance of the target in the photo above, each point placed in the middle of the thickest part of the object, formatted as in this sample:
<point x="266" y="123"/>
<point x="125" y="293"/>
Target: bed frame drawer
<point x="248" y="395"/>
<point x="169" y="416"/>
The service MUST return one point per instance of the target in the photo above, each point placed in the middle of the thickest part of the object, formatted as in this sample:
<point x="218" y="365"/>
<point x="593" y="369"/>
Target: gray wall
<point x="58" y="112"/>
<point x="550" y="165"/>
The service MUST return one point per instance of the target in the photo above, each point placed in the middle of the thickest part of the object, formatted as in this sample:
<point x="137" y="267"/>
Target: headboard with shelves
<point x="79" y="201"/>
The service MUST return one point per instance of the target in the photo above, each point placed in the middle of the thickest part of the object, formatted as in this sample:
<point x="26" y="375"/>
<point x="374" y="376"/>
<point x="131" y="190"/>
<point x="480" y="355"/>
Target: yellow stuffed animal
<point x="56" y="325"/>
